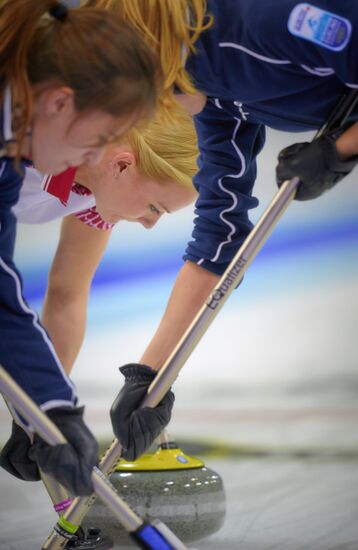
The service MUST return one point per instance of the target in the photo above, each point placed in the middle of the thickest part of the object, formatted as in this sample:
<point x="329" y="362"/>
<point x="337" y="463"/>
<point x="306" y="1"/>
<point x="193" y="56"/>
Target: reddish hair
<point x="94" y="52"/>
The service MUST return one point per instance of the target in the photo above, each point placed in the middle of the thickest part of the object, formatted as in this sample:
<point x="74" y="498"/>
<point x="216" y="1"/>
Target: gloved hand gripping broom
<point x="230" y="279"/>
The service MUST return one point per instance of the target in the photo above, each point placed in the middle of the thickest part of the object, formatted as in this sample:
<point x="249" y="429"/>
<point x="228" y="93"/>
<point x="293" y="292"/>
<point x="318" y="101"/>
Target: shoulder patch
<point x="322" y="27"/>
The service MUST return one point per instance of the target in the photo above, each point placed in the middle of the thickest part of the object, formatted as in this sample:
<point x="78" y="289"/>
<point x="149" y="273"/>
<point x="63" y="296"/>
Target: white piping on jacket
<point x="254" y="54"/>
<point x="43" y="333"/>
<point x="223" y="188"/>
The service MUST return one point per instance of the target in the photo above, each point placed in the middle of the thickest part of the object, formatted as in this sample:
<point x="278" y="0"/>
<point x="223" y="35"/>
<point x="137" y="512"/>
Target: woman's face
<point x="122" y="192"/>
<point x="62" y="138"/>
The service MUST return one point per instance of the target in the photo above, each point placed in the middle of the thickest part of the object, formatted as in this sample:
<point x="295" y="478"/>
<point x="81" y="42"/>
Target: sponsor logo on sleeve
<point x="322" y="27"/>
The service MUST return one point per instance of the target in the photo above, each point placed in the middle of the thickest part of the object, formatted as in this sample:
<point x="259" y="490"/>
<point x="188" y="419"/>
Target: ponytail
<point x="94" y="52"/>
<point x="171" y="28"/>
<point x="18" y="22"/>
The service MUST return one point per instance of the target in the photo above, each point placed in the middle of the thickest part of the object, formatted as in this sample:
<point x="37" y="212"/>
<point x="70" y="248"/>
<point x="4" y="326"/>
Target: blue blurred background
<point x="268" y="397"/>
<point x="286" y="338"/>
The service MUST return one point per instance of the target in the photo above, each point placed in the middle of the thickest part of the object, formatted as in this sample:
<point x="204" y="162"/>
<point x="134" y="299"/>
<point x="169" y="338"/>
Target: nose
<point x="94" y="156"/>
<point x="148" y="223"/>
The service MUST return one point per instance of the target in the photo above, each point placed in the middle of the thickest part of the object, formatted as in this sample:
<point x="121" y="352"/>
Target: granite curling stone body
<point x="167" y="485"/>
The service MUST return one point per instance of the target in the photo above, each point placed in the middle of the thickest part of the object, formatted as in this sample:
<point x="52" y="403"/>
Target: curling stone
<point x="168" y="485"/>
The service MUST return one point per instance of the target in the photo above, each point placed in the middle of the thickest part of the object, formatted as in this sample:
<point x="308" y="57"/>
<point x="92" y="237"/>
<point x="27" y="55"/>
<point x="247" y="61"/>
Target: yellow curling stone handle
<point x="162" y="459"/>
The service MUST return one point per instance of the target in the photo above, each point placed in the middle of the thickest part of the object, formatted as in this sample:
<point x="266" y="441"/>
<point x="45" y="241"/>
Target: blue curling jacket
<point x="277" y="63"/>
<point x="26" y="351"/>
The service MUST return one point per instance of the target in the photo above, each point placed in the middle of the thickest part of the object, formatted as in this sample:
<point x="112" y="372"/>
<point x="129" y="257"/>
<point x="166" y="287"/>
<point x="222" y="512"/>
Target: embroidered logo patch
<point x="319" y="26"/>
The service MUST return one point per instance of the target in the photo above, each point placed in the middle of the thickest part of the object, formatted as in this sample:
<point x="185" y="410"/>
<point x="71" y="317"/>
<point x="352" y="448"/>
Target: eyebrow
<point x="164" y="208"/>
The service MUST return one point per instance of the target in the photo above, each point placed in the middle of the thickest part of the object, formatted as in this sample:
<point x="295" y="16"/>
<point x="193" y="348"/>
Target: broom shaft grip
<point x="50" y="433"/>
<point x="240" y="263"/>
<point x="176" y="360"/>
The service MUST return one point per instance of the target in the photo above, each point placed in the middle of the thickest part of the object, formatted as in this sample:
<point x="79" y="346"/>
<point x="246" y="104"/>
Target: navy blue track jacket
<point x="277" y="63"/>
<point x="26" y="351"/>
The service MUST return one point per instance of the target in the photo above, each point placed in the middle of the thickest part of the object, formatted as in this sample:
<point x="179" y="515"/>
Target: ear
<point x="121" y="161"/>
<point x="59" y="100"/>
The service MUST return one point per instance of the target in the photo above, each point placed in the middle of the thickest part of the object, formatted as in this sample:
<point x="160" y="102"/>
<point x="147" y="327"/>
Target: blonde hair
<point x="166" y="151"/>
<point x="171" y="28"/>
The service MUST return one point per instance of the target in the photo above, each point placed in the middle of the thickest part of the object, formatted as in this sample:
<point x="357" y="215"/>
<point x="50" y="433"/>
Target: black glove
<point x="136" y="428"/>
<point x="14" y="456"/>
<point x="70" y="464"/>
<point x="316" y="164"/>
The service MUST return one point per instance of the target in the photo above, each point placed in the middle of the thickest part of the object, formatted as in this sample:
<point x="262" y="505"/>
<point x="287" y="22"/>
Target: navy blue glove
<point x="316" y="164"/>
<point x="137" y="428"/>
<point x="14" y="457"/>
<point x="70" y="464"/>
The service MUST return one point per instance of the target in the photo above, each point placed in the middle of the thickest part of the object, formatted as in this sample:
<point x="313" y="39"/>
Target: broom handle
<point x="168" y="373"/>
<point x="230" y="279"/>
<point x="241" y="261"/>
<point x="56" y="491"/>
<point x="48" y="431"/>
<point x="145" y="534"/>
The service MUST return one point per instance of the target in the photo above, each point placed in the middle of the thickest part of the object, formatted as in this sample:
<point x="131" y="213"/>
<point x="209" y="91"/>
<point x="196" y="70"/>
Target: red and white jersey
<point x="45" y="198"/>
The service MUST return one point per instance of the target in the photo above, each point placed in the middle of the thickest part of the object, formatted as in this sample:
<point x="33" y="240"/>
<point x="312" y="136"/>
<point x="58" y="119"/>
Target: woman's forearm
<point x="64" y="318"/>
<point x="193" y="285"/>
<point x="65" y="307"/>
<point x="347" y="143"/>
